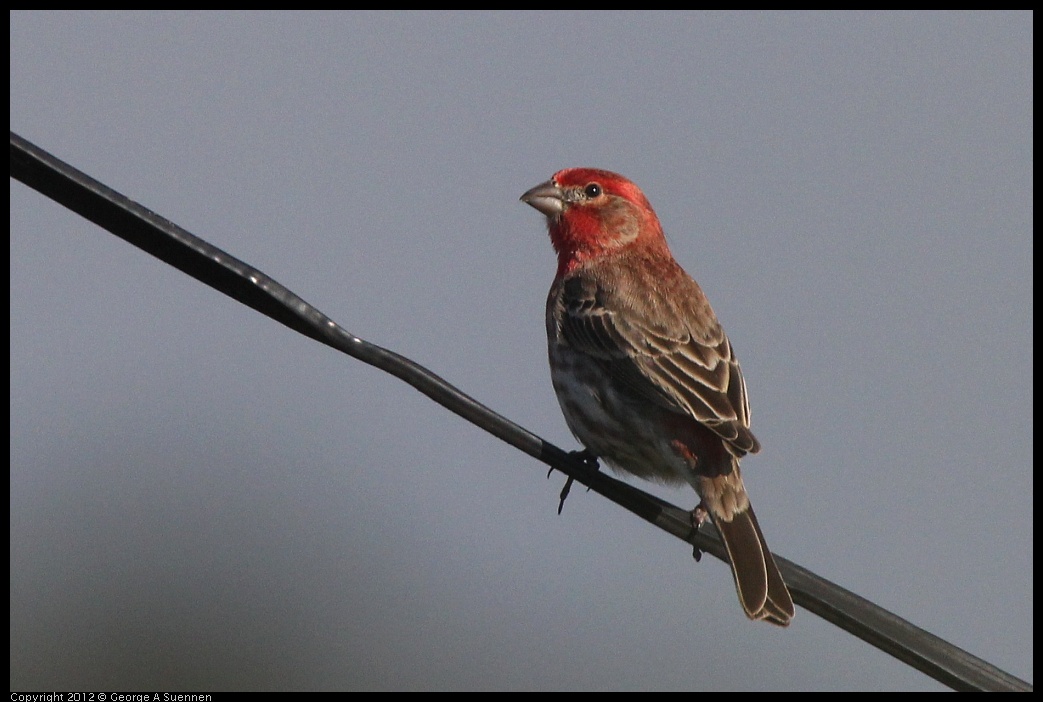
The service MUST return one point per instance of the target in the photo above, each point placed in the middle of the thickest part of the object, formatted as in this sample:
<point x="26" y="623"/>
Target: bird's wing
<point x="675" y="355"/>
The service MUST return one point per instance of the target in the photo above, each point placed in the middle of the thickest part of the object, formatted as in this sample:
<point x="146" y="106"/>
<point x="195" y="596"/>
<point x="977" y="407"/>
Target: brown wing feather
<point x="669" y="362"/>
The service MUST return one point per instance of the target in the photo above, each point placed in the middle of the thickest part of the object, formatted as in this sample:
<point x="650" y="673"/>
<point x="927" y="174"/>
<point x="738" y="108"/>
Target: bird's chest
<point x="609" y="421"/>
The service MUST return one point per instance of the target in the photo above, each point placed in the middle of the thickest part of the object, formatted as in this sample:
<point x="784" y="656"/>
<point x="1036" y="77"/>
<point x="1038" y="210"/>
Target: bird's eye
<point x="592" y="191"/>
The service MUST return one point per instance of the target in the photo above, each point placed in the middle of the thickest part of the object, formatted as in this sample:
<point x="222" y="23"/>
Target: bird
<point x="643" y="371"/>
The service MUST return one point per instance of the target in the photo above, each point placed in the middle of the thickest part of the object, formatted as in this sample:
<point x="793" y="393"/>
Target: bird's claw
<point x="565" y="492"/>
<point x="589" y="460"/>
<point x="699" y="515"/>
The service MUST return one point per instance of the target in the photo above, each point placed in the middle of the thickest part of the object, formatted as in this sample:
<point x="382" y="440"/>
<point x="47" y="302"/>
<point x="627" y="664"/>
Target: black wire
<point x="188" y="253"/>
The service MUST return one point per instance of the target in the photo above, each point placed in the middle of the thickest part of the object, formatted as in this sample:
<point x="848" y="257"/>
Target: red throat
<point x="577" y="236"/>
<point x="584" y="233"/>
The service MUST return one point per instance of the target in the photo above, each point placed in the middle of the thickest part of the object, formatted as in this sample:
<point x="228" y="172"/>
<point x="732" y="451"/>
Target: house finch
<point x="643" y="371"/>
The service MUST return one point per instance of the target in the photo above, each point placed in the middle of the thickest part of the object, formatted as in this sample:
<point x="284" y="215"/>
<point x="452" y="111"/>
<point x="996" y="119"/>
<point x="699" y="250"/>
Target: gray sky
<point x="203" y="499"/>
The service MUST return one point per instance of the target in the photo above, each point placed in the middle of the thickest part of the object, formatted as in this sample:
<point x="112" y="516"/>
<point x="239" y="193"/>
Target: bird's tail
<point x="762" y="591"/>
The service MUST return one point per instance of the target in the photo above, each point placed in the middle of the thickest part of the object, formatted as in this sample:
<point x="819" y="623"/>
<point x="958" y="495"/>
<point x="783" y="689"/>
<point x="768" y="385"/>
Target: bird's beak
<point x="546" y="197"/>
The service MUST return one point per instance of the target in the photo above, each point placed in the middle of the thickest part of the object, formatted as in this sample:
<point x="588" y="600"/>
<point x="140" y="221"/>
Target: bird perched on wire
<point x="643" y="371"/>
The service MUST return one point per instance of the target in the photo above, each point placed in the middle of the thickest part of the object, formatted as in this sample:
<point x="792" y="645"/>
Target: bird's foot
<point x="699" y="515"/>
<point x="585" y="457"/>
